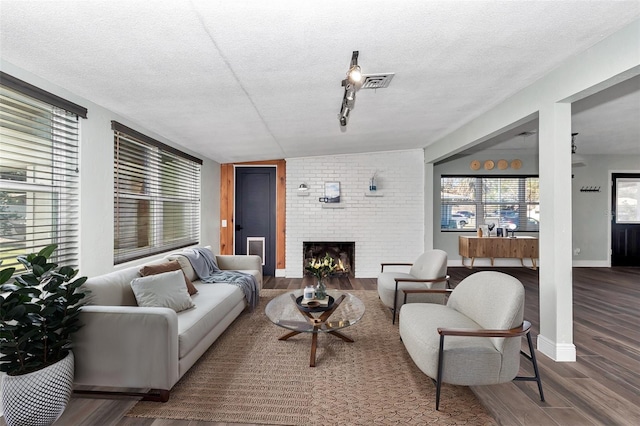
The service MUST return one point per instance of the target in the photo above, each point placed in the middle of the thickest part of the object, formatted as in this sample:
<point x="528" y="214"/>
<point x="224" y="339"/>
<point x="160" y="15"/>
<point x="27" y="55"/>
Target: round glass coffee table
<point x="346" y="310"/>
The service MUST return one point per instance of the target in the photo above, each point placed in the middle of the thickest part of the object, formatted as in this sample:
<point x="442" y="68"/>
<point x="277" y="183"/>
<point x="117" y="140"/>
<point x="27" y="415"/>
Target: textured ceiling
<point x="251" y="80"/>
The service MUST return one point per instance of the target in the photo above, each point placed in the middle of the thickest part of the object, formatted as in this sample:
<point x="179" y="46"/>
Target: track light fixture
<point x="350" y="84"/>
<point x="344" y="115"/>
<point x="574" y="147"/>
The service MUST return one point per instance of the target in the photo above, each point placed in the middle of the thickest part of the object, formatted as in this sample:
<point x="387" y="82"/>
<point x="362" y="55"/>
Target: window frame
<point x="40" y="164"/>
<point x="148" y="190"/>
<point x="479" y="204"/>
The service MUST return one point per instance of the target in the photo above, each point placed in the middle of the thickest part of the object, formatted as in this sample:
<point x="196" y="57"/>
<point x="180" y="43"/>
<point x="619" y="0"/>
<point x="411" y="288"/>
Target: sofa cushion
<point x="172" y="265"/>
<point x="166" y="290"/>
<point x="213" y="302"/>
<point x="185" y="265"/>
<point x="112" y="289"/>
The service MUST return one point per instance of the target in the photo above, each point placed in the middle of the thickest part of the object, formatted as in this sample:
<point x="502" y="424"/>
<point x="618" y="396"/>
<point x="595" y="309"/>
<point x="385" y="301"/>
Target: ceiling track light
<point x="350" y="84"/>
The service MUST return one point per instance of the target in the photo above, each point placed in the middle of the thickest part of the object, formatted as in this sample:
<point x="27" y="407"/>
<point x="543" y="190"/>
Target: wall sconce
<point x="303" y="189"/>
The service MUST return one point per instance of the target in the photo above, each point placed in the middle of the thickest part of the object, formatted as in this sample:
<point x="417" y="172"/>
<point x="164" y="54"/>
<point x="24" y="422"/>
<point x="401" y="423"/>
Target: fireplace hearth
<point x="342" y="252"/>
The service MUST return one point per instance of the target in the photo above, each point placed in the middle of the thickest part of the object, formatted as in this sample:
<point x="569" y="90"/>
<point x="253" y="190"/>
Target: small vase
<point x="321" y="290"/>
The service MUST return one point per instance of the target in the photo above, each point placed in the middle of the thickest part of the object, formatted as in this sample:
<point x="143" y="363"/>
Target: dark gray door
<point x="256" y="214"/>
<point x="625" y="220"/>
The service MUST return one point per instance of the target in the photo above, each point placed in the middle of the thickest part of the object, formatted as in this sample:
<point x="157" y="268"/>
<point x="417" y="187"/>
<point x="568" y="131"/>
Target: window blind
<point x="156" y="196"/>
<point x="38" y="178"/>
<point x="470" y="201"/>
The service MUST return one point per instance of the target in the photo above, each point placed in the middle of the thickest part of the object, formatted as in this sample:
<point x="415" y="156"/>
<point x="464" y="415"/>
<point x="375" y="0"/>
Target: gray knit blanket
<point x="205" y="266"/>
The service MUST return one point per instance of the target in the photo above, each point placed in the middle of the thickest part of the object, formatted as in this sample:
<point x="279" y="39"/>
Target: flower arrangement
<point x="322" y="268"/>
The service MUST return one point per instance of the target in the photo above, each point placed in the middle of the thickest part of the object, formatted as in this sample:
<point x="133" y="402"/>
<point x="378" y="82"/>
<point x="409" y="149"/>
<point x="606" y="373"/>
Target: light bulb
<point x="355" y="74"/>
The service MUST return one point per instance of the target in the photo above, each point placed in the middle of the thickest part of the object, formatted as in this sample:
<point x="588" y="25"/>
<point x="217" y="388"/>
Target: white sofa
<point x="124" y="346"/>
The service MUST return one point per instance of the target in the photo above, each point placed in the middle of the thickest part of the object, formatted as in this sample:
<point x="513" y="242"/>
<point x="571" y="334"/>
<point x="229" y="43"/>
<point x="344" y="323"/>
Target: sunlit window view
<point x="470" y="201"/>
<point x="38" y="178"/>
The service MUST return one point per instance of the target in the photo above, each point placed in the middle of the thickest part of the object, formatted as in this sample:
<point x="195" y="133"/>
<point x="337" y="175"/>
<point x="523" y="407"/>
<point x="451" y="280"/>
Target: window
<point x="627" y="200"/>
<point x="469" y="201"/>
<point x="156" y="196"/>
<point x="38" y="173"/>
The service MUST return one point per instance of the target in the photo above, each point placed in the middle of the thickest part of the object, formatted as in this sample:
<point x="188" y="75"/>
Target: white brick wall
<point x="385" y="229"/>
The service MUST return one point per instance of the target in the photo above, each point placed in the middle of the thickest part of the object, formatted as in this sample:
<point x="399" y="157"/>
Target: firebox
<point x="342" y="252"/>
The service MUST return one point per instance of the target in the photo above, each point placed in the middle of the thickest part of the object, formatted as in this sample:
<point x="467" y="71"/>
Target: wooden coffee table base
<point x="317" y="325"/>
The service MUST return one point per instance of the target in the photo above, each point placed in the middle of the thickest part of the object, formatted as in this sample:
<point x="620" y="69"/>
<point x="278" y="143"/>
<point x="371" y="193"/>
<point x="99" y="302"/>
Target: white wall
<point x="96" y="180"/>
<point x="385" y="229"/>
<point x="592" y="210"/>
<point x="448" y="240"/>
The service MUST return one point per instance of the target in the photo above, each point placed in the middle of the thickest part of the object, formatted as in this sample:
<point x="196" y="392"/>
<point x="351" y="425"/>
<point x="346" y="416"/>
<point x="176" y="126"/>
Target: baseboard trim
<point x="156" y="395"/>
<point x="281" y="273"/>
<point x="590" y="264"/>
<point x="559" y="352"/>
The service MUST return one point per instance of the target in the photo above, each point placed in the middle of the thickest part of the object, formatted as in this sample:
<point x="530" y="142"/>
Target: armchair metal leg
<point x="533" y="360"/>
<point x="395" y="301"/>
<point x="439" y="380"/>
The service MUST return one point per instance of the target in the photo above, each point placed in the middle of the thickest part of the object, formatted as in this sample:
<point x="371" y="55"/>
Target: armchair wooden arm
<point x="426" y="290"/>
<point x="514" y="332"/>
<point x="418" y="280"/>
<point x="382" y="265"/>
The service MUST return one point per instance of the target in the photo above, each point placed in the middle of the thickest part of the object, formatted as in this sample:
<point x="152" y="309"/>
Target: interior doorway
<point x="625" y="219"/>
<point x="255" y="214"/>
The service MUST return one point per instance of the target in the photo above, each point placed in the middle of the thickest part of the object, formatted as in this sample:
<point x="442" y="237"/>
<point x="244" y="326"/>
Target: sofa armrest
<point x="241" y="263"/>
<point x="126" y="347"/>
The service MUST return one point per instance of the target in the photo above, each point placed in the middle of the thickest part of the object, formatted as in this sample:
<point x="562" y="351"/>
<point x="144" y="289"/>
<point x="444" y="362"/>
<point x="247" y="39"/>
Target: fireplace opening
<point x="342" y="252"/>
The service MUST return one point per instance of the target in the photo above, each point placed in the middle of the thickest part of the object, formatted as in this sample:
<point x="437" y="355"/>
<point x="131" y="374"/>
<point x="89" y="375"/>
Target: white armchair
<point x="483" y="324"/>
<point x="429" y="271"/>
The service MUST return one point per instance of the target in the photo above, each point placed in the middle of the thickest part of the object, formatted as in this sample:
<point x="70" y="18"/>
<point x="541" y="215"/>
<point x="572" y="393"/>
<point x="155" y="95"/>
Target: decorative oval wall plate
<point x="489" y="164"/>
<point x="503" y="164"/>
<point x="516" y="164"/>
<point x="475" y="165"/>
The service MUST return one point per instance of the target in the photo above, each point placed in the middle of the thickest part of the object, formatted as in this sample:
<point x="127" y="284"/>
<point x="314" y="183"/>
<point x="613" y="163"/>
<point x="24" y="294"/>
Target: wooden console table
<point x="498" y="247"/>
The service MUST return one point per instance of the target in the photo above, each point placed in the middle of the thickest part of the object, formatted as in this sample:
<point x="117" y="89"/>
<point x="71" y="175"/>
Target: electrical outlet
<point x="576" y="251"/>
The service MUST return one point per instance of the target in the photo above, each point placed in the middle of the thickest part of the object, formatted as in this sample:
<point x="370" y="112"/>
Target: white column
<point x="428" y="206"/>
<point x="556" y="294"/>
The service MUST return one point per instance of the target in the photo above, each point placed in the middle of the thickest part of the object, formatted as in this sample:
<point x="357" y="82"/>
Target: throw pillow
<point x="168" y="267"/>
<point x="166" y="290"/>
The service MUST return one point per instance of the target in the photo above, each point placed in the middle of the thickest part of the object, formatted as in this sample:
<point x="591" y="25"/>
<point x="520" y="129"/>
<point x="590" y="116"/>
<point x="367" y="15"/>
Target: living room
<point x="408" y="139"/>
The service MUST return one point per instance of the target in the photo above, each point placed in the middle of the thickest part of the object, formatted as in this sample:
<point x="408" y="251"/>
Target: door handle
<point x="239" y="228"/>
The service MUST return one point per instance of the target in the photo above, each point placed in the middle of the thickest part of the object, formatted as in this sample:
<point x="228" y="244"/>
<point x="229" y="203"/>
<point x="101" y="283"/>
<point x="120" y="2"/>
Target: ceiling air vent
<point x="376" y="81"/>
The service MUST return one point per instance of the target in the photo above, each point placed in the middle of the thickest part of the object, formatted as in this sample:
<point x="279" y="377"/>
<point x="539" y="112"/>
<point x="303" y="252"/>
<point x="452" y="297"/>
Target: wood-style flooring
<point x="601" y="388"/>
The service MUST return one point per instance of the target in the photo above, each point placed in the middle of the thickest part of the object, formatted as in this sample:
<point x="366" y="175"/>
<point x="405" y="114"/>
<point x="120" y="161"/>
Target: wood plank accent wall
<point x="227" y="178"/>
<point x="227" y="185"/>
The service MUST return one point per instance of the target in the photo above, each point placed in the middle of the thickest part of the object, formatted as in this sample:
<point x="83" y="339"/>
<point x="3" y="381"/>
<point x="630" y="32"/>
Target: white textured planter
<point x="38" y="398"/>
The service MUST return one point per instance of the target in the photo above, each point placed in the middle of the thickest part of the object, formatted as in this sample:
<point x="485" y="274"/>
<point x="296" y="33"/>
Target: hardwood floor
<point x="601" y="388"/>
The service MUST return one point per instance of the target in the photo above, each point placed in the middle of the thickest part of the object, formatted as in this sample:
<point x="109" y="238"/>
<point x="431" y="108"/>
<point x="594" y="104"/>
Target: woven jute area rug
<point x="249" y="376"/>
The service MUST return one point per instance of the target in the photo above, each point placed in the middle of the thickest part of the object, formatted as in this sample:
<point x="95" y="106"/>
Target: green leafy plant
<point x="38" y="313"/>
<point x="322" y="268"/>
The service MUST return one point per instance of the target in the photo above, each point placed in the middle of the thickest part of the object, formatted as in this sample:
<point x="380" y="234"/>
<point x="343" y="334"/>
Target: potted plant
<point x="38" y="314"/>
